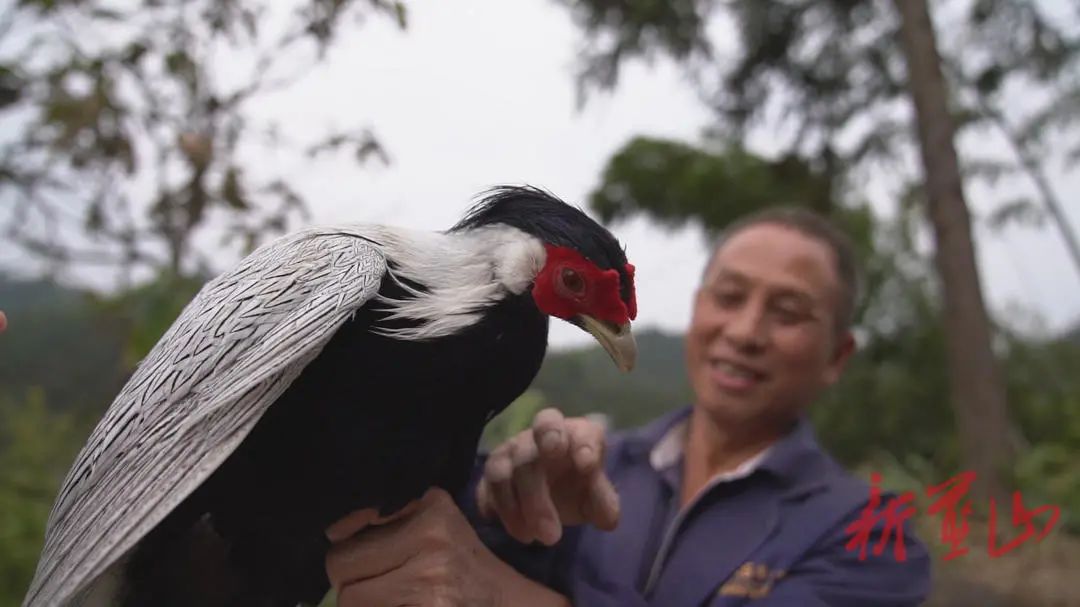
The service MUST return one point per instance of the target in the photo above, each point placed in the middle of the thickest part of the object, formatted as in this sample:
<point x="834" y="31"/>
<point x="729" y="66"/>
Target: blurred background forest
<point x="128" y="146"/>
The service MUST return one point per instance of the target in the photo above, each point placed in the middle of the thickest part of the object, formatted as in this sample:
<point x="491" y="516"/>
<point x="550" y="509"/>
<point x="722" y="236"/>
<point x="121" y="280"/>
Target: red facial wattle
<point x="569" y="285"/>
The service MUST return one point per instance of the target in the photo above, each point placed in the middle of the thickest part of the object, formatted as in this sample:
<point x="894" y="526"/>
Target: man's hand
<point x="549" y="476"/>
<point x="3" y="321"/>
<point x="426" y="554"/>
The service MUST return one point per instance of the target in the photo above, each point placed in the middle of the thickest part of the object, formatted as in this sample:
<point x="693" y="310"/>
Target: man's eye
<point x="789" y="314"/>
<point x="728" y="298"/>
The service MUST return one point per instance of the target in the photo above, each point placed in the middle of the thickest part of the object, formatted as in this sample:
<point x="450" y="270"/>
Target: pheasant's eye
<point x="573" y="281"/>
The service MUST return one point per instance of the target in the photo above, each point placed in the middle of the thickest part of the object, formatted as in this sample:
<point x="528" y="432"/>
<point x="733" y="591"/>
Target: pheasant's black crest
<point x="554" y="221"/>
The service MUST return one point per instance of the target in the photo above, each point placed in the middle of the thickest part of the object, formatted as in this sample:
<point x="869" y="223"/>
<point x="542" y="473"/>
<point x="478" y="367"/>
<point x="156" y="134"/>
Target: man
<point x="728" y="502"/>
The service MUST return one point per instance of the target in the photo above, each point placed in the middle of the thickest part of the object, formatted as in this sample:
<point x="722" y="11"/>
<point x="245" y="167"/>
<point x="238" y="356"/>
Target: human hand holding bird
<point x="546" y="477"/>
<point x="426" y="554"/>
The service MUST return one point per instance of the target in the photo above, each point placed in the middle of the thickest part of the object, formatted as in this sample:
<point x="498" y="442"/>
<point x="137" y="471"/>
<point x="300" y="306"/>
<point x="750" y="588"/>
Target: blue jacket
<point x="775" y="537"/>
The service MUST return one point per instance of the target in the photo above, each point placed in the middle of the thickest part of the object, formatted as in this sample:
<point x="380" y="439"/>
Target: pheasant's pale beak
<point x="618" y="341"/>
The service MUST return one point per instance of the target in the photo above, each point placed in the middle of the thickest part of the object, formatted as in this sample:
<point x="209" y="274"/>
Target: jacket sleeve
<point x="832" y="575"/>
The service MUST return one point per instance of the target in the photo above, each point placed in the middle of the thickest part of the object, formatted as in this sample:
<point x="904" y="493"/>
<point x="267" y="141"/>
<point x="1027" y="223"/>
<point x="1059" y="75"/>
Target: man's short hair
<point x="817" y="227"/>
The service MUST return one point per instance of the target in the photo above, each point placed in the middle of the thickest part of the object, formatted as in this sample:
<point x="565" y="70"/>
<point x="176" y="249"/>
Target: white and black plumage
<point x="333" y="369"/>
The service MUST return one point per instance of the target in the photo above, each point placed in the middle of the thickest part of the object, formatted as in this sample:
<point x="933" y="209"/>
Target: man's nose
<point x="746" y="327"/>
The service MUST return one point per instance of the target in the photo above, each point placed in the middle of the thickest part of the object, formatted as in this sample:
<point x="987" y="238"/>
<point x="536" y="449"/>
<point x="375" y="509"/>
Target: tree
<point x="835" y="74"/>
<point x="977" y="386"/>
<point x="131" y="124"/>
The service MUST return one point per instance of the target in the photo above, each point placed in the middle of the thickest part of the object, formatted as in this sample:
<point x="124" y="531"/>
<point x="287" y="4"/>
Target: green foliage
<point x="1048" y="475"/>
<point x="893" y="398"/>
<point x="1043" y="375"/>
<point x="515" y="418"/>
<point x="676" y="183"/>
<point x="1047" y="397"/>
<point x="36" y="447"/>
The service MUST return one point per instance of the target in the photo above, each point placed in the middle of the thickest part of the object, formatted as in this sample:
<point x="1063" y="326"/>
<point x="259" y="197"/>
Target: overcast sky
<point x="481" y="92"/>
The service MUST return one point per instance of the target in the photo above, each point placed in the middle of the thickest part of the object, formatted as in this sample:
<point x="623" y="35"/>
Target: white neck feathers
<point x="463" y="273"/>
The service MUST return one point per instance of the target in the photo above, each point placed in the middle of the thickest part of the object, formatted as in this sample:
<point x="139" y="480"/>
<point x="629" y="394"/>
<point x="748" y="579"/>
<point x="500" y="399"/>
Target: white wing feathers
<point x="234" y="349"/>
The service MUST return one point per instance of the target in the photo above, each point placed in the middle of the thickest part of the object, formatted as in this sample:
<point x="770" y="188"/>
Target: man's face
<point x="762" y="342"/>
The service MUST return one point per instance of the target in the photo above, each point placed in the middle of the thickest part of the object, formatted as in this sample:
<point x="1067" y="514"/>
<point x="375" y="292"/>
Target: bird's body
<point x="299" y="469"/>
<point x="333" y="370"/>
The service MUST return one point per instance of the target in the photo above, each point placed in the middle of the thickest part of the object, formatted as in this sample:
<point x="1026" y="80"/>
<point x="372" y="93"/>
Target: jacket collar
<point x="796" y="460"/>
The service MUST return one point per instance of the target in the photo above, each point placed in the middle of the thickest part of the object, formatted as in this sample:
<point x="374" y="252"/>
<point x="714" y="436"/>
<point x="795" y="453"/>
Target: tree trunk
<point x="977" y="389"/>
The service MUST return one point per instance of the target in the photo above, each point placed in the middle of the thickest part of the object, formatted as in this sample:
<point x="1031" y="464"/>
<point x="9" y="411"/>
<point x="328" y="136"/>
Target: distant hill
<point x="56" y="340"/>
<point x="1072" y="336"/>
<point x="585" y="380"/>
<point x="63" y="341"/>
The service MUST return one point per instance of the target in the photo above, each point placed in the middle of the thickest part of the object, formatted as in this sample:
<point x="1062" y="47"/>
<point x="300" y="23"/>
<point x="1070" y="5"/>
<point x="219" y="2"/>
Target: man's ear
<point x="842" y="351"/>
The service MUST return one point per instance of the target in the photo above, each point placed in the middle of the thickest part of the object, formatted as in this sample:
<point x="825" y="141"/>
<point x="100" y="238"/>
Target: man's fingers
<point x="518" y="477"/>
<point x="550" y="434"/>
<point x="498" y="475"/>
<point x="586" y="444"/>
<point x="600" y="503"/>
<point x="533" y="497"/>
